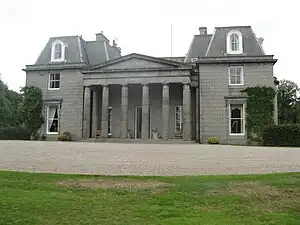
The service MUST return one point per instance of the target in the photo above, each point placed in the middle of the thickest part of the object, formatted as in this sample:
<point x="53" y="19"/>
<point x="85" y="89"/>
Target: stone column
<point x="145" y="112"/>
<point x="197" y="114"/>
<point x="124" y="112"/>
<point x="186" y="112"/>
<point x="105" y="102"/>
<point x="95" y="111"/>
<point x="165" y="110"/>
<point x="86" y="112"/>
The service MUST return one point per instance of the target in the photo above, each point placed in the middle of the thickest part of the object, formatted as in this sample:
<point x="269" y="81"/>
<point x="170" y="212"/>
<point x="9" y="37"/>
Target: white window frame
<point x="240" y="43"/>
<point x="109" y="120"/>
<point x="49" y="80"/>
<point x="180" y="110"/>
<point x="63" y="46"/>
<point x="241" y="78"/>
<point x="243" y="119"/>
<point x="58" y="113"/>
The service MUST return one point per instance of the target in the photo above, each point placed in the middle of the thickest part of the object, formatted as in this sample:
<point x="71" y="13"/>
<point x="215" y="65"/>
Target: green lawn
<point x="28" y="198"/>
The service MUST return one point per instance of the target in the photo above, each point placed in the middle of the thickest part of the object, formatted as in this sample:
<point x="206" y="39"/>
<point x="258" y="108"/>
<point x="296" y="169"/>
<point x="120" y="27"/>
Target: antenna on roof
<point x="171" y="39"/>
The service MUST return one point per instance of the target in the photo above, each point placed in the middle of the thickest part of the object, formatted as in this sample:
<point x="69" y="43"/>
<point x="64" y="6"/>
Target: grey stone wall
<point x="70" y="93"/>
<point x="214" y="86"/>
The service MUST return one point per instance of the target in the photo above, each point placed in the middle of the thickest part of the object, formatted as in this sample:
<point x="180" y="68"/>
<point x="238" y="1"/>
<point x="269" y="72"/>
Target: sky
<point x="143" y="27"/>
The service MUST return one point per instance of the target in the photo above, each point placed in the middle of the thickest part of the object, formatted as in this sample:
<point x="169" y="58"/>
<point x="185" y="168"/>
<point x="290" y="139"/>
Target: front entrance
<point x="138" y="120"/>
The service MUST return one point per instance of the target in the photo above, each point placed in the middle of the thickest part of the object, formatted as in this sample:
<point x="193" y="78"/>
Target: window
<point x="178" y="119"/>
<point x="52" y="119"/>
<point x="58" y="51"/>
<point x="109" y="120"/>
<point x="234" y="42"/>
<point x="236" y="76"/>
<point x="236" y="119"/>
<point x="54" y="81"/>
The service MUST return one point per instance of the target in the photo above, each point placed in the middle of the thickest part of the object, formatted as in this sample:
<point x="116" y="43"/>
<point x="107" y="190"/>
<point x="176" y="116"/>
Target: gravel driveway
<point x="144" y="159"/>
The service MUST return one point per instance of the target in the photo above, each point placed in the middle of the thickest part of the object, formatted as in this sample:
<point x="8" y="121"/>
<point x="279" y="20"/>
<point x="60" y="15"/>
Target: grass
<point x="29" y="198"/>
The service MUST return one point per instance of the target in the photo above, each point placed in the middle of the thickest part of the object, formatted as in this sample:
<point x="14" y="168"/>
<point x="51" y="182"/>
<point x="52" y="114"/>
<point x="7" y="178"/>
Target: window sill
<point x="236" y="85"/>
<point x="237" y="134"/>
<point x="52" y="133"/>
<point x="53" y="89"/>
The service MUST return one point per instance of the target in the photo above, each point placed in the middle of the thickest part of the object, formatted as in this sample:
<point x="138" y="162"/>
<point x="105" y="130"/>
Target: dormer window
<point x="58" y="51"/>
<point x="234" y="42"/>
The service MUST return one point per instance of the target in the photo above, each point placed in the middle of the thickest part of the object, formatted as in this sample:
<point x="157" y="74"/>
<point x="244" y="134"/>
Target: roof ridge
<point x="65" y="36"/>
<point x="233" y="27"/>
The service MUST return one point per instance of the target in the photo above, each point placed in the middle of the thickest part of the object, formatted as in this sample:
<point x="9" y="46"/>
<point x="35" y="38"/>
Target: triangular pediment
<point x="137" y="61"/>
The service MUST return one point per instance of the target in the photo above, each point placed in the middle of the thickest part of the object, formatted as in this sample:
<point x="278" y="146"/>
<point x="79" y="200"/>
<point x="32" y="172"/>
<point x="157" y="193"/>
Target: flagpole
<point x="171" y="40"/>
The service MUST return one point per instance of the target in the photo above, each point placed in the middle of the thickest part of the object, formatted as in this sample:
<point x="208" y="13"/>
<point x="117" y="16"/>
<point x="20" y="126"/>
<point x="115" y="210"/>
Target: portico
<point x="139" y="97"/>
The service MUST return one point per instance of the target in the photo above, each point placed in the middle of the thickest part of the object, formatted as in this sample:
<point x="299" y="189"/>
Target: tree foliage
<point x="20" y="113"/>
<point x="288" y="102"/>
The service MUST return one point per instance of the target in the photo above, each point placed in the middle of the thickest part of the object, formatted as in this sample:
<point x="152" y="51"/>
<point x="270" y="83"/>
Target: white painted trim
<point x="209" y="45"/>
<point x="58" y="112"/>
<point x="49" y="81"/>
<point x="243" y="120"/>
<point x="63" y="48"/>
<point x="229" y="50"/>
<point x="80" y="49"/>
<point x="242" y="76"/>
<point x="105" y="48"/>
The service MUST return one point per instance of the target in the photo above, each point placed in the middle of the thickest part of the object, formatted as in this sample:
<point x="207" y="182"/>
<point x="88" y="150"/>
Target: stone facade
<point x="143" y="97"/>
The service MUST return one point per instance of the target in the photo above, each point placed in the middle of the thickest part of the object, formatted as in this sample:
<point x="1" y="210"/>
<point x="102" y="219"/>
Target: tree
<point x="30" y="109"/>
<point x="288" y="102"/>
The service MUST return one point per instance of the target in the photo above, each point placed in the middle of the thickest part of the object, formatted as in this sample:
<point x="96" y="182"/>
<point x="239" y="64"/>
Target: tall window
<point x="236" y="76"/>
<point x="109" y="120"/>
<point x="237" y="119"/>
<point x="234" y="42"/>
<point x="52" y="119"/>
<point x="58" y="51"/>
<point x="54" y="81"/>
<point x="178" y="118"/>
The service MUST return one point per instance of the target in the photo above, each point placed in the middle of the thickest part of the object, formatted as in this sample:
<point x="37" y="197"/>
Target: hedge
<point x="282" y="135"/>
<point x="14" y="133"/>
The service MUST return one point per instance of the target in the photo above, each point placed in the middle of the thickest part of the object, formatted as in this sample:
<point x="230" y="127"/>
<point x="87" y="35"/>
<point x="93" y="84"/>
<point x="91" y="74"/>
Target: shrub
<point x="282" y="135"/>
<point x="14" y="133"/>
<point x="213" y="141"/>
<point x="66" y="136"/>
<point x="69" y="136"/>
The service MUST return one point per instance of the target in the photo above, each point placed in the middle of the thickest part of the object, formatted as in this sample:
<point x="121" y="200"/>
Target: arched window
<point x="58" y="51"/>
<point x="234" y="42"/>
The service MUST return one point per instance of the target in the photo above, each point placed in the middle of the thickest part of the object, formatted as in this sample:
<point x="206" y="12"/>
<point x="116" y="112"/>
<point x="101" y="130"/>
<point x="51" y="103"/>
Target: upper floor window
<point x="234" y="42"/>
<point x="54" y="81"/>
<point x="236" y="75"/>
<point x="58" y="51"/>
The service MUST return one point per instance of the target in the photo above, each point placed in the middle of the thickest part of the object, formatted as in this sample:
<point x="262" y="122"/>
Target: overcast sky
<point x="142" y="27"/>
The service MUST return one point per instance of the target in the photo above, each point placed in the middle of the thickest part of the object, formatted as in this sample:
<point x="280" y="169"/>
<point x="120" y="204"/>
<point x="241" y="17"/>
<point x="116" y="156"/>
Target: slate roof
<point x="214" y="45"/>
<point x="79" y="51"/>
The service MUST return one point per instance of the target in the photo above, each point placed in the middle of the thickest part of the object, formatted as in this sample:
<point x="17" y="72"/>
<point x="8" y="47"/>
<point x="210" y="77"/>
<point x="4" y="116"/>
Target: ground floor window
<point x="178" y="118"/>
<point x="52" y="119"/>
<point x="109" y="120"/>
<point x="237" y="120"/>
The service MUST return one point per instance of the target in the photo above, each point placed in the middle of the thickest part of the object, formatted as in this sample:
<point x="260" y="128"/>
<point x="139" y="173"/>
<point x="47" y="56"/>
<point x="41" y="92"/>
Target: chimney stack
<point x="101" y="37"/>
<point x="203" y="30"/>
